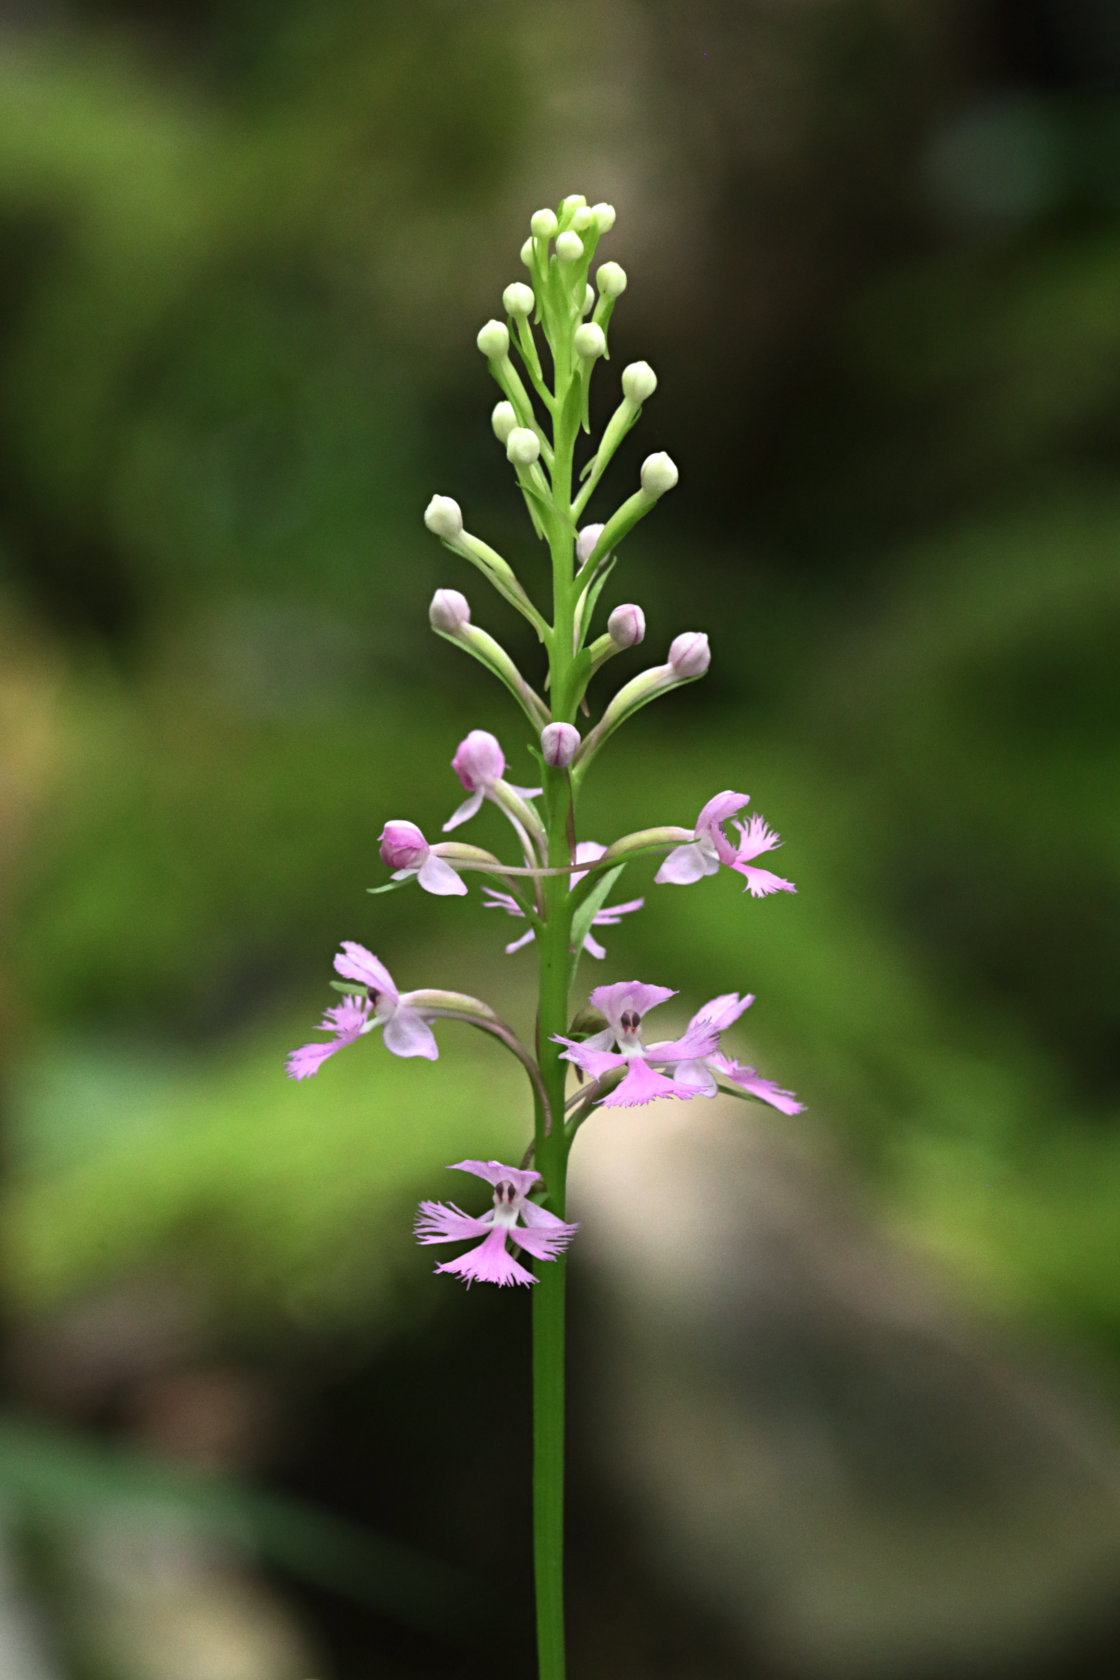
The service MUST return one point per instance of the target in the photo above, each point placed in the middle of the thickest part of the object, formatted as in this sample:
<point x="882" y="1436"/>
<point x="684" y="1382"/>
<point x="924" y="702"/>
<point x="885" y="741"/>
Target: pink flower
<point x="620" y="1045"/>
<point x="479" y="764"/>
<point x="404" y="1029"/>
<point x="702" y="1072"/>
<point x="588" y="851"/>
<point x="405" y="851"/>
<point x="711" y="847"/>
<point x="540" y="1233"/>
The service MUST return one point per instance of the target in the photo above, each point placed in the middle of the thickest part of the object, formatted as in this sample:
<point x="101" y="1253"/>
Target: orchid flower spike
<point x="620" y="1045"/>
<point x="587" y="852"/>
<point x="710" y="847"/>
<point x="539" y="1232"/>
<point x="703" y="1072"/>
<point x="405" y="851"/>
<point x="480" y="764"/>
<point x="404" y="1030"/>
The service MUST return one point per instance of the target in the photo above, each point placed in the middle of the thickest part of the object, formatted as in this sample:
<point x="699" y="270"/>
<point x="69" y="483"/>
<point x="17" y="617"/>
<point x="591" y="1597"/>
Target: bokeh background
<point x="846" y="1387"/>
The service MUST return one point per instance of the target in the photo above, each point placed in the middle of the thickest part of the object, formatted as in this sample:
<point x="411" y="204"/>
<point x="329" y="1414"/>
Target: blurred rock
<point x="827" y="1452"/>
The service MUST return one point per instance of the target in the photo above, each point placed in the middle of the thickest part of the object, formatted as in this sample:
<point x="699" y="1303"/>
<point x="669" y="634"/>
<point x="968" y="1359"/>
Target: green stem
<point x="554" y="948"/>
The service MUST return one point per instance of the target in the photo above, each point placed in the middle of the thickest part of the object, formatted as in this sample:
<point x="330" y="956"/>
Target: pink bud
<point x="403" y="846"/>
<point x="586" y="541"/>
<point x="559" y="744"/>
<point x="689" y="654"/>
<point x="449" y="611"/>
<point x="478" y="760"/>
<point x="626" y="626"/>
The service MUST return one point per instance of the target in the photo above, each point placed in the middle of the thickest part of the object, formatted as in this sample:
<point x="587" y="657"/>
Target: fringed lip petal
<point x="752" y="1082"/>
<point x="305" y="1062"/>
<point x="444" y="1222"/>
<point x="761" y="882"/>
<point x="490" y="1262"/>
<point x="643" y="1084"/>
<point x="544" y="1242"/>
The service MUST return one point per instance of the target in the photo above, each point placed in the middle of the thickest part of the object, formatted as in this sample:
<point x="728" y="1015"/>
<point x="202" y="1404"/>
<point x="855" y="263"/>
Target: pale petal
<point x="533" y="1214"/>
<point x="608" y="916"/>
<point x="686" y="864"/>
<point x="719" y="1014"/>
<point x="754" y="837"/>
<point x="436" y="876"/>
<point x="750" y="1080"/>
<point x="516" y="944"/>
<point x="354" y="962"/>
<point x="495" y="900"/>
<point x="469" y="808"/>
<point x="693" y="1044"/>
<point x="592" y="946"/>
<point x="408" y="1034"/>
<point x="718" y="809"/>
<point x="698" y="1076"/>
<point x="594" y="1062"/>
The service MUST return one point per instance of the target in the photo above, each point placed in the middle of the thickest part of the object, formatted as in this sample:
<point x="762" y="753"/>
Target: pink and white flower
<point x="703" y="1072"/>
<point x="587" y="852"/>
<point x="404" y="1030"/>
<point x="620" y="1045"/>
<point x="405" y="851"/>
<point x="539" y="1232"/>
<point x="710" y="848"/>
<point x="480" y="765"/>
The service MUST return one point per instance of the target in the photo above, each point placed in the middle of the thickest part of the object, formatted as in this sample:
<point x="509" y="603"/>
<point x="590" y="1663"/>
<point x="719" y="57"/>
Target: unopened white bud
<point x="569" y="246"/>
<point x="518" y="298"/>
<point x="689" y="654"/>
<point x="610" y="277"/>
<point x="638" y="382"/>
<point x="543" y="223"/>
<point x="493" y="340"/>
<point x="659" y="474"/>
<point x="573" y="201"/>
<point x="444" y="517"/>
<point x="588" y="300"/>
<point x="527" y="253"/>
<point x="585" y="542"/>
<point x="583" y="219"/>
<point x="589" y="341"/>
<point x="604" y="215"/>
<point x="449" y="611"/>
<point x="503" y="420"/>
<point x="626" y="626"/>
<point x="559" y="744"/>
<point x="523" y="447"/>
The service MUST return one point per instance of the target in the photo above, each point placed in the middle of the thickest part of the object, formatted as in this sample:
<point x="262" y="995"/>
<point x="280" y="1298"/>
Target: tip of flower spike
<point x="659" y="473"/>
<point x="493" y="340"/>
<point x="518" y="298"/>
<point x="444" y="517"/>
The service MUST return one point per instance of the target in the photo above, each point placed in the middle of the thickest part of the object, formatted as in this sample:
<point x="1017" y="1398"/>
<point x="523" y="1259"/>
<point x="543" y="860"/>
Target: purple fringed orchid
<point x="403" y="1029"/>
<point x="587" y="852"/>
<point x="620" y="1045"/>
<point x="703" y="1072"/>
<point x="480" y="765"/>
<point x="710" y="847"/>
<point x="539" y="1232"/>
<point x="405" y="851"/>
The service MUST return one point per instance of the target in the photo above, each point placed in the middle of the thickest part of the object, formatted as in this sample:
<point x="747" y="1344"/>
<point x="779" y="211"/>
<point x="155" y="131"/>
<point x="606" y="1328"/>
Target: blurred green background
<point x="874" y="257"/>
